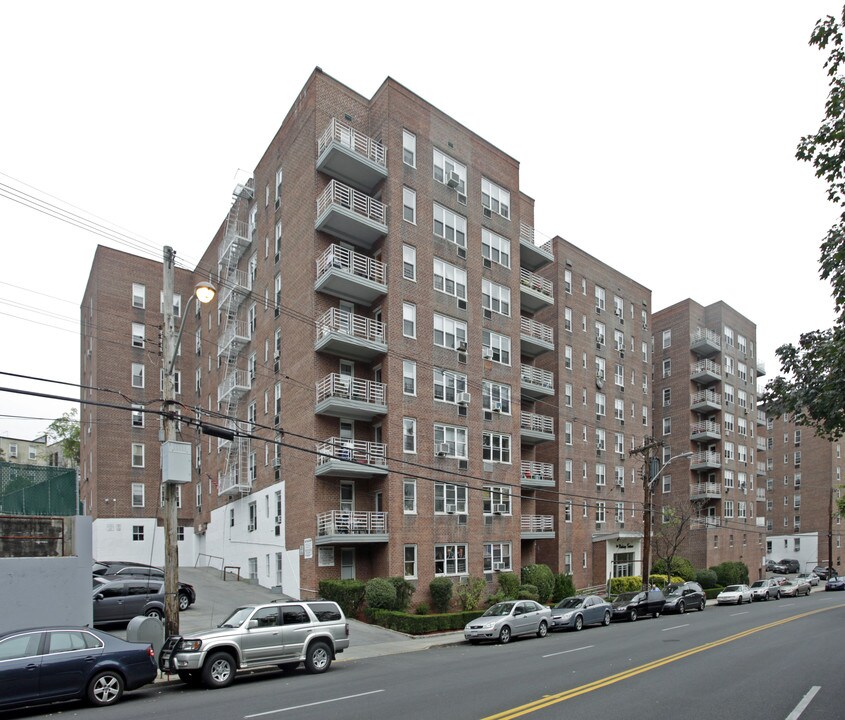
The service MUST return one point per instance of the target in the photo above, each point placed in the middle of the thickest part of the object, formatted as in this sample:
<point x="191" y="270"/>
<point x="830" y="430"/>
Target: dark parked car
<point x="112" y="570"/>
<point x="824" y="572"/>
<point x="683" y="597"/>
<point x="45" y="665"/>
<point x="786" y="565"/>
<point x="121" y="600"/>
<point x="633" y="605"/>
<point x="770" y="565"/>
<point x="835" y="583"/>
<point x="580" y="610"/>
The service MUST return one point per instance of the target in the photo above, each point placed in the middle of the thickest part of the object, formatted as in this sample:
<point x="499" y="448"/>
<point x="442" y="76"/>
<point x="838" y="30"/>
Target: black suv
<point x="683" y="597"/>
<point x="633" y="605"/>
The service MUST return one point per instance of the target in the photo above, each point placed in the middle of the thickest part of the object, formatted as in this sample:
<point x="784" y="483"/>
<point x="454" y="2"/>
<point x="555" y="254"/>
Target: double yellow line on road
<point x="549" y="700"/>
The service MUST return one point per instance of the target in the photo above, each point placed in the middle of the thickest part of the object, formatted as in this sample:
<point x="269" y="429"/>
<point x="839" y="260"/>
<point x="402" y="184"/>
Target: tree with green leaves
<point x="669" y="531"/>
<point x="65" y="429"/>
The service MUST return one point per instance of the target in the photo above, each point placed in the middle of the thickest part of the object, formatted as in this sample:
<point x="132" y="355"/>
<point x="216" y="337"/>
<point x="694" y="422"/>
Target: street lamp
<point x="647" y="514"/>
<point x="204" y="292"/>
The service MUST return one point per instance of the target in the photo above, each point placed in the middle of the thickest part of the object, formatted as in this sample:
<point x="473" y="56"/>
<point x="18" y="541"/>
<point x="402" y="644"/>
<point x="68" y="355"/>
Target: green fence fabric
<point x="37" y="490"/>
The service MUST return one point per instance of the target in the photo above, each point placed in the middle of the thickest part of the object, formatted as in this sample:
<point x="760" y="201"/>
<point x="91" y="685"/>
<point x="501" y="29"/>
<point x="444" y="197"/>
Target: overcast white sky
<point x="658" y="136"/>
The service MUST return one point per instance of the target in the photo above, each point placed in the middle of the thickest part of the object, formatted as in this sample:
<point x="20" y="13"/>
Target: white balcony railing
<point x="532" y="470"/>
<point x="706" y="396"/>
<point x="705" y="426"/>
<point x="536" y="423"/>
<point x="336" y="193"/>
<point x="336" y="320"/>
<point x="761" y="494"/>
<point x="526" y="233"/>
<point x="707" y="366"/>
<point x="535" y="329"/>
<point x="706" y="522"/>
<point x="340" y="258"/>
<point x="536" y="282"/>
<point x="235" y="333"/>
<point x="536" y="523"/>
<point x="363" y="452"/>
<point x="234" y="384"/>
<point x="705" y="488"/>
<point x="344" y="387"/>
<point x="537" y="376"/>
<point x="347" y="136"/>
<point x="351" y="522"/>
<point x="706" y="457"/>
<point x="703" y="334"/>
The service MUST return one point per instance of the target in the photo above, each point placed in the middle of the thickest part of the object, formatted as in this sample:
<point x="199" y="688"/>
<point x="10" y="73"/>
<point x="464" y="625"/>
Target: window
<point x="600" y="298"/>
<point x="567" y="395"/>
<point x="496" y="447"/>
<point x="139" y="296"/>
<point x="567" y="511"/>
<point x="450" y="559"/>
<point x="600" y="511"/>
<point x="601" y="439"/>
<point x="409" y="320"/>
<point x="450" y="499"/>
<point x="667" y="339"/>
<point x="619" y="409"/>
<point x="729" y="365"/>
<point x="496" y="396"/>
<point x="567" y="319"/>
<point x="137" y="375"/>
<point x="138" y="335"/>
<point x="138" y="416"/>
<point x="177" y="304"/>
<point x="409" y="377"/>
<point x="450" y="226"/>
<point x="496" y="298"/>
<point x="137" y="533"/>
<point x="409" y="262"/>
<point x="742" y="371"/>
<point x="448" y="333"/>
<point x="729" y="422"/>
<point x="409" y="148"/>
<point x="495" y="198"/>
<point x="600" y="333"/>
<point x="409" y="435"/>
<point x="619" y="306"/>
<point x="729" y="508"/>
<point x="729" y="451"/>
<point x="449" y="279"/>
<point x="741" y="344"/>
<point x="667" y="483"/>
<point x="496" y="347"/>
<point x="448" y="384"/>
<point x="409" y="496"/>
<point x="567" y="432"/>
<point x="729" y="336"/>
<point x="278" y="240"/>
<point x="496" y="500"/>
<point x="279" y="177"/>
<point x="728" y="391"/>
<point x="138" y="495"/>
<point x="409" y="205"/>
<point x="495" y="248"/>
<point x="447" y="170"/>
<point x="451" y="439"/>
<point x="410" y="562"/>
<point x="567" y="281"/>
<point x="567" y="357"/>
<point x="138" y="455"/>
<point x="667" y="426"/>
<point x="601" y="474"/>
<point x="667" y="368"/>
<point x="601" y="404"/>
<point x="667" y="397"/>
<point x="497" y="556"/>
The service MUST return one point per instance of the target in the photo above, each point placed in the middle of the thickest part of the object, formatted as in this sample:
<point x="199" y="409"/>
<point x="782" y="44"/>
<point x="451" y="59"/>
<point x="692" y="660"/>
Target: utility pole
<point x="647" y="449"/>
<point x="171" y="545"/>
<point x="830" y="535"/>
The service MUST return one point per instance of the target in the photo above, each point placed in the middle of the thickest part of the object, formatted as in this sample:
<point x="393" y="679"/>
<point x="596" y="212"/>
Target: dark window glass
<point x="326" y="612"/>
<point x="295" y="615"/>
<point x="19" y="646"/>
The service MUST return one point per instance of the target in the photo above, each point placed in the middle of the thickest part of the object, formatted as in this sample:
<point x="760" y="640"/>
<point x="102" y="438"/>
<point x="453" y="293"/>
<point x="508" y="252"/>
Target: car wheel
<point x="681" y="607"/>
<point x="219" y="670"/>
<point x="606" y="620"/>
<point x="190" y="677"/>
<point x="288" y="666"/>
<point x="155" y="613"/>
<point x="702" y="605"/>
<point x="105" y="688"/>
<point x="578" y="624"/>
<point x="656" y="614"/>
<point x="632" y="614"/>
<point x="543" y="630"/>
<point x="505" y="635"/>
<point x="777" y="595"/>
<point x="184" y="601"/>
<point x="739" y="600"/>
<point x="318" y="658"/>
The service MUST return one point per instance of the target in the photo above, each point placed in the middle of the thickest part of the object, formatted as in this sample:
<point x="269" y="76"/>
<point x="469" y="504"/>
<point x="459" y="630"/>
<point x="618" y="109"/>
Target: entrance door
<point x="347" y="563"/>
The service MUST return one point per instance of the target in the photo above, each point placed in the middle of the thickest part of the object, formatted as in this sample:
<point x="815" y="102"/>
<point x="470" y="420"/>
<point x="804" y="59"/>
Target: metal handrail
<point x="532" y="468"/>
<point x="536" y="282"/>
<point x="357" y="451"/>
<point x="536" y="423"/>
<point x="349" y="137"/>
<point x="532" y="328"/>
<point x="340" y="386"/>
<point x="335" y="320"/>
<point x="536" y="523"/>
<point x="351" y="522"/>
<point x="342" y="259"/>
<point x="537" y="376"/>
<point x="336" y="193"/>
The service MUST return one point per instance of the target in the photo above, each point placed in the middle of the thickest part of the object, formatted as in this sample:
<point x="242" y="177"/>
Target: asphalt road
<point x="757" y="662"/>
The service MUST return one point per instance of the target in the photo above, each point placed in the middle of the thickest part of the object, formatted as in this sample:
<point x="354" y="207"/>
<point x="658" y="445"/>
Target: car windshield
<point x="237" y="618"/>
<point x="570" y="602"/>
<point x="760" y="583"/>
<point x="674" y="590"/>
<point x="498" y="609"/>
<point x="732" y="588"/>
<point x="625" y="597"/>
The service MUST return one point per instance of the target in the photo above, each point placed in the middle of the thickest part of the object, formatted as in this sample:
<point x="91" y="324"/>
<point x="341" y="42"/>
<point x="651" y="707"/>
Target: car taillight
<point x="347" y="629"/>
<point x="151" y="652"/>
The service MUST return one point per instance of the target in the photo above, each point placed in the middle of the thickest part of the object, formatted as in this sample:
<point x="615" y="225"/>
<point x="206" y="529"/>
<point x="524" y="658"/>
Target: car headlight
<point x="489" y="626"/>
<point x="189" y="646"/>
<point x="566" y="616"/>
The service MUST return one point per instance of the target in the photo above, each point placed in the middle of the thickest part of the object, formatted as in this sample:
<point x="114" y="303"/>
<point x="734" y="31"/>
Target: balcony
<point x="536" y="474"/>
<point x="235" y="241"/>
<point x="761" y="368"/>
<point x="761" y="469"/>
<point x="705" y="400"/>
<point x="705" y="491"/>
<point x="536" y="527"/>
<point x="351" y="157"/>
<point x="350" y="275"/>
<point x="351" y="215"/>
<point x="231" y="485"/>
<point x="536" y="338"/>
<point x="531" y="255"/>
<point x="705" y="343"/>
<point x="349" y="397"/>
<point x="236" y="480"/>
<point x="705" y="460"/>
<point x="761" y="414"/>
<point x="535" y="292"/>
<point x="235" y="336"/>
<point x="761" y="495"/>
<point x="234" y="385"/>
<point x="706" y="430"/>
<point x="236" y="286"/>
<point x="355" y="527"/>
<point x="705" y="522"/>
<point x="706" y="372"/>
<point x="534" y="428"/>
<point x="536" y="382"/>
<point x="341" y="457"/>
<point x="350" y="336"/>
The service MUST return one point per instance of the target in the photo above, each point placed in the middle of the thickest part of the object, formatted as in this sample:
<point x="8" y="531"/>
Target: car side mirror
<point x="98" y="596"/>
<point x="518" y="611"/>
<point x="252" y="624"/>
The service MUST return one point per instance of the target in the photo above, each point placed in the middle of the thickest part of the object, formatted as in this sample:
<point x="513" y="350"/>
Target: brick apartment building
<point x="803" y="486"/>
<point x="705" y="401"/>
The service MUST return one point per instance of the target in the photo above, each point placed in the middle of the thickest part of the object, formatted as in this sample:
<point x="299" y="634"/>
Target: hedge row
<point x="632" y="583"/>
<point x="420" y="624"/>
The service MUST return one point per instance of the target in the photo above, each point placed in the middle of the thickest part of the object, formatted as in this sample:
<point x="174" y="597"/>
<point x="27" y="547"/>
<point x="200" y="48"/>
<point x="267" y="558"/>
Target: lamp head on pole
<point x="205" y="292"/>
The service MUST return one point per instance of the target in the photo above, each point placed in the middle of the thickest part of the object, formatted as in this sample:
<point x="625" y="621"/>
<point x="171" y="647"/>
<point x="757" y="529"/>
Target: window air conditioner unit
<point x="598" y="310"/>
<point x="488" y="263"/>
<point x="487" y="212"/>
<point x="488" y="314"/>
<point x="442" y="449"/>
<point x="276" y="462"/>
<point x="278" y="519"/>
<point x="500" y="509"/>
<point x="462" y="199"/>
<point x="463" y="398"/>
<point x="498" y="567"/>
<point x="451" y="509"/>
<point x="453" y="179"/>
<point x="462" y="346"/>
<point x="462" y="252"/>
<point x="462" y="304"/>
<point x="497" y="407"/>
<point x="487" y="353"/>
<point x="250" y="528"/>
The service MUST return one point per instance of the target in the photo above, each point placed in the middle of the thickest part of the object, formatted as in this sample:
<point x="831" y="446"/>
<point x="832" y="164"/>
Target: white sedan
<point x="734" y="595"/>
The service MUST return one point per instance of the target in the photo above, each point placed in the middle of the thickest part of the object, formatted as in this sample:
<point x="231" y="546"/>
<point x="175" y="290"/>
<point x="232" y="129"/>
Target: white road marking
<point x="744" y="612"/>
<point x="786" y="604"/>
<point x="802" y="706"/>
<point x="321" y="702"/>
<point x="563" y="652"/>
<point x="675" y="627"/>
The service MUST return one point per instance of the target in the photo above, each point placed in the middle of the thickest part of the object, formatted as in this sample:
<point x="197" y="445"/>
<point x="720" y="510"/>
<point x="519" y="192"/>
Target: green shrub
<point x="731" y="573"/>
<point x="564" y="587"/>
<point x="541" y="577"/>
<point x="404" y="592"/>
<point x="626" y="583"/>
<point x="469" y="594"/>
<point x="706" y="578"/>
<point x="497" y="597"/>
<point x="381" y="594"/>
<point x="680" y="566"/>
<point x="660" y="580"/>
<point x="422" y="608"/>
<point x="711" y="593"/>
<point x="441" y="594"/>
<point x="420" y="624"/>
<point x="508" y="584"/>
<point x="349" y="594"/>
<point x="528" y="592"/>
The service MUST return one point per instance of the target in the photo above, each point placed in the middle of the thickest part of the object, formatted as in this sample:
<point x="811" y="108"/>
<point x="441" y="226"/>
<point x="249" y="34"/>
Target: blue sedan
<point x="835" y="583"/>
<point x="580" y="610"/>
<point x="45" y="665"/>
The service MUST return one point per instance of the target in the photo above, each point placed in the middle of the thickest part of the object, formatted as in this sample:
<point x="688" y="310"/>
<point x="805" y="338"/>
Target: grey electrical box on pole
<point x="176" y="462"/>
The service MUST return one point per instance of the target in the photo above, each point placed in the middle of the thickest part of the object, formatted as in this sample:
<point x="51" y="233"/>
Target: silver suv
<point x="278" y="633"/>
<point x="765" y="589"/>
